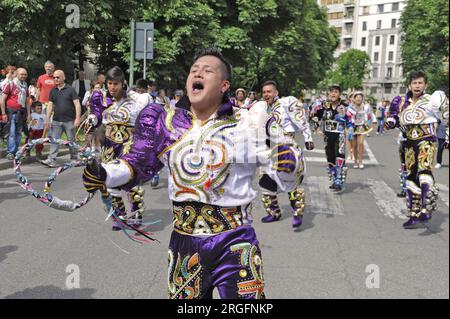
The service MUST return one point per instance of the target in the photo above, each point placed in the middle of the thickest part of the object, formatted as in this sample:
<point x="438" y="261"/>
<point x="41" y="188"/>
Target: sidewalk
<point x="7" y="164"/>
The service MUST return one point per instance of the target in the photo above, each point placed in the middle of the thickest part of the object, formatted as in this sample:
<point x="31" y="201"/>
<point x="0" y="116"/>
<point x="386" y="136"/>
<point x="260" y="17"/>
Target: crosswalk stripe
<point x="386" y="199"/>
<point x="320" y="199"/>
<point x="372" y="158"/>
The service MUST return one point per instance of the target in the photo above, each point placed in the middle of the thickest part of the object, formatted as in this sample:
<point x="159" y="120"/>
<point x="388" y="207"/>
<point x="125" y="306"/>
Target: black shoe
<point x="401" y="194"/>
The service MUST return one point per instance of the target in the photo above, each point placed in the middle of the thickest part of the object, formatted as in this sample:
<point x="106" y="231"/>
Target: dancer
<point x="363" y="118"/>
<point x="290" y="115"/>
<point x="335" y="121"/>
<point x="212" y="152"/>
<point x="118" y="112"/>
<point x="418" y="116"/>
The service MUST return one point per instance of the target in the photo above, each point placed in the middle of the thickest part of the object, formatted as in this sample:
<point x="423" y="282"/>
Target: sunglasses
<point x="56" y="77"/>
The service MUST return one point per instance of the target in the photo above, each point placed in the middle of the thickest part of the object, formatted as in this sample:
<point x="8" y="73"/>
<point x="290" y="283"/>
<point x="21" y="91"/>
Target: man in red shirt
<point x="45" y="83"/>
<point x="13" y="105"/>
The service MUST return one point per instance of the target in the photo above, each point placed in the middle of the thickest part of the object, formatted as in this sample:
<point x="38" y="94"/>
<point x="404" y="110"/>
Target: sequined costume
<point x="418" y="120"/>
<point x="362" y="118"/>
<point x="290" y="115"/>
<point x="118" y="118"/>
<point x="335" y="121"/>
<point x="211" y="168"/>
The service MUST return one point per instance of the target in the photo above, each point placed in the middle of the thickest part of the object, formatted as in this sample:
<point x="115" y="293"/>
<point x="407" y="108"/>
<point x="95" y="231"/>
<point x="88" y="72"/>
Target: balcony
<point x="349" y="3"/>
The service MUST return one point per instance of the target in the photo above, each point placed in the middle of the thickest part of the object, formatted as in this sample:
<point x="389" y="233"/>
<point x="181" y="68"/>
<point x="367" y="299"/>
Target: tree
<point x="350" y="69"/>
<point x="424" y="41"/>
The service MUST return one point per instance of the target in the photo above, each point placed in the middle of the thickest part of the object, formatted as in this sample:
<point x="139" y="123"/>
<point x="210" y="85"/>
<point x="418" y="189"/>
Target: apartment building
<point x="372" y="26"/>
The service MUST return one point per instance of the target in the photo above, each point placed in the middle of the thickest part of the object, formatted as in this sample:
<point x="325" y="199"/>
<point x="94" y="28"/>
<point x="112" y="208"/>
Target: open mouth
<point x="197" y="87"/>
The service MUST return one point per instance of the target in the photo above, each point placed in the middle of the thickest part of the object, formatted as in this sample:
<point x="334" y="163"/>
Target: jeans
<point x="15" y="132"/>
<point x="56" y="132"/>
<point x="380" y="128"/>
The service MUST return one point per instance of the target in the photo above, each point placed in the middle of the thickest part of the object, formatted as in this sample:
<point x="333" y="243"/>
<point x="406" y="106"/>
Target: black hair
<point x="115" y="74"/>
<point x="335" y="87"/>
<point x="216" y="53"/>
<point x="142" y="84"/>
<point x="270" y="82"/>
<point x="36" y="103"/>
<point x="414" y="75"/>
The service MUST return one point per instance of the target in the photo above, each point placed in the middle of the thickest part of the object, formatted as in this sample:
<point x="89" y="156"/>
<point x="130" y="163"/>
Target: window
<point x="335" y="15"/>
<point x="388" y="88"/>
<point x="373" y="90"/>
<point x="391" y="56"/>
<point x="348" y="43"/>
<point x="376" y="56"/>
<point x="339" y="30"/>
<point x="363" y="41"/>
<point x="364" y="26"/>
<point x="375" y="72"/>
<point x="402" y="90"/>
<point x="377" y="40"/>
<point x="380" y="8"/>
<point x="389" y="73"/>
<point x="379" y="24"/>
<point x="395" y="6"/>
<point x="393" y="23"/>
<point x="392" y="39"/>
<point x="365" y="10"/>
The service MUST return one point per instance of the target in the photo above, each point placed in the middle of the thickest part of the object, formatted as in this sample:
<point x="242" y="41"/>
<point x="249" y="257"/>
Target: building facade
<point x="372" y="26"/>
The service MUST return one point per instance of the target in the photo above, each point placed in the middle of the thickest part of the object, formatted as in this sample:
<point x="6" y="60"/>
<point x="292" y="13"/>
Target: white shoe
<point x="361" y="166"/>
<point x="355" y="166"/>
<point x="438" y="165"/>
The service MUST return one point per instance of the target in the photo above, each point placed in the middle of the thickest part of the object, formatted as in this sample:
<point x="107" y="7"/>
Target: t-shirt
<point x="12" y="101"/>
<point x="37" y="121"/>
<point x="45" y="83"/>
<point x="63" y="106"/>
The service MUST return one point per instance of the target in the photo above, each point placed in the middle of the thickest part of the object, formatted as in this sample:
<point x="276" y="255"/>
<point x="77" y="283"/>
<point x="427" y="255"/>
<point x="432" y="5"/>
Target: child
<point x="37" y="126"/>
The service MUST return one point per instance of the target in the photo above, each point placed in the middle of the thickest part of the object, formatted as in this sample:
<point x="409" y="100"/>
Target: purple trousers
<point x="230" y="261"/>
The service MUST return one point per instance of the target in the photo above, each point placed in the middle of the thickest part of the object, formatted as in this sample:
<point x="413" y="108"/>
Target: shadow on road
<point x="5" y="250"/>
<point x="52" y="292"/>
<point x="434" y="225"/>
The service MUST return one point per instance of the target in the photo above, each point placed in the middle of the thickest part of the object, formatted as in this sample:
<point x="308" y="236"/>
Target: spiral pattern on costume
<point x="413" y="116"/>
<point x="201" y="166"/>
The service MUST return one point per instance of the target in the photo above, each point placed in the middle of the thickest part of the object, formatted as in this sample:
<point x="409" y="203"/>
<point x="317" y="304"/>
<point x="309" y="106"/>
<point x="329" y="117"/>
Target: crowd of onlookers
<point x="48" y="106"/>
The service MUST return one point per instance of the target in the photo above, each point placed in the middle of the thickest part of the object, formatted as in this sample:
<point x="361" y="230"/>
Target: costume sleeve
<point x="97" y="105"/>
<point x="439" y="105"/>
<point x="294" y="109"/>
<point x="141" y="163"/>
<point x="279" y="157"/>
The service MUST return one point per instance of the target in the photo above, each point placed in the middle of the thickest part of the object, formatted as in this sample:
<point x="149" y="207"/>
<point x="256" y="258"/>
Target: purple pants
<point x="230" y="261"/>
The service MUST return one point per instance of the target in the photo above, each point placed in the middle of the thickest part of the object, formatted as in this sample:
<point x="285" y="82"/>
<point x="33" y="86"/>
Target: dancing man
<point x="117" y="112"/>
<point x="417" y="115"/>
<point x="290" y="115"/>
<point x="335" y="121"/>
<point x="212" y="152"/>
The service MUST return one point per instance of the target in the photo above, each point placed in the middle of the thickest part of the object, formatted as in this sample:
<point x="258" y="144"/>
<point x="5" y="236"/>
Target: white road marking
<point x="443" y="193"/>
<point x="314" y="159"/>
<point x="372" y="159"/>
<point x="320" y="199"/>
<point x="386" y="199"/>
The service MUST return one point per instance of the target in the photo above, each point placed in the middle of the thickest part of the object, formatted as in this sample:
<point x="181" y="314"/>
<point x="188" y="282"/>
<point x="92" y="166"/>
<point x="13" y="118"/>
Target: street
<point x="351" y="245"/>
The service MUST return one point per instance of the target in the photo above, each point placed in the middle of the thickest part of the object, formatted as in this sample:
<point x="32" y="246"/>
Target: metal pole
<point x="145" y="53"/>
<point x="132" y="53"/>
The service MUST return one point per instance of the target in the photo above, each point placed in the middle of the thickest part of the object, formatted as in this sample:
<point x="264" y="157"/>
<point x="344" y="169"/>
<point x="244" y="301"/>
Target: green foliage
<point x="425" y="40"/>
<point x="349" y="71"/>
<point x="288" y="41"/>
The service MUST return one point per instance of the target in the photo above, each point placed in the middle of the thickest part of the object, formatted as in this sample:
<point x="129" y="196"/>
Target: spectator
<point x="442" y="143"/>
<point x="13" y="106"/>
<point x="87" y="96"/>
<point x="96" y="137"/>
<point x="178" y="95"/>
<point x="381" y="115"/>
<point x="142" y="86"/>
<point x="37" y="126"/>
<point x="81" y="85"/>
<point x="240" y="97"/>
<point x="32" y="90"/>
<point x="10" y="74"/>
<point x="65" y="103"/>
<point x="101" y="78"/>
<point x="162" y="98"/>
<point x="153" y="90"/>
<point x="45" y="83"/>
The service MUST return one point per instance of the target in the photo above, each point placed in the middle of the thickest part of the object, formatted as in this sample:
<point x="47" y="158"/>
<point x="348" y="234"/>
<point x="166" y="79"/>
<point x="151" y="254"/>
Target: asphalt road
<point x="351" y="245"/>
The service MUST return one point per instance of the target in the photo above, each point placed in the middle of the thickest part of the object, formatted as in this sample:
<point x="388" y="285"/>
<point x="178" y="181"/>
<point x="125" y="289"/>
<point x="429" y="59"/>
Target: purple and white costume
<point x="418" y="120"/>
<point x="290" y="115"/>
<point x="118" y="118"/>
<point x="211" y="166"/>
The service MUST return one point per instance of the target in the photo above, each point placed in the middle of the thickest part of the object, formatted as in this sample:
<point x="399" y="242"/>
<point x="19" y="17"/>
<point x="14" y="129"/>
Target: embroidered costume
<point x="418" y="120"/>
<point x="211" y="167"/>
<point x="118" y="118"/>
<point x="290" y="115"/>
